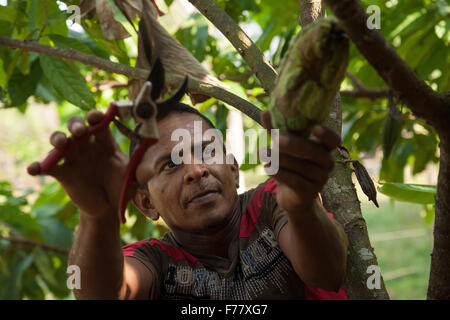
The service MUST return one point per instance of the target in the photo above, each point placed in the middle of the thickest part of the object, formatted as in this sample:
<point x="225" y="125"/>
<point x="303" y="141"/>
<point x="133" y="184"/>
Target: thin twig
<point x="44" y="3"/>
<point x="108" y="84"/>
<point x="362" y="91"/>
<point x="236" y="78"/>
<point x="12" y="230"/>
<point x="366" y="93"/>
<point x="407" y="86"/>
<point x="194" y="86"/>
<point x="358" y="84"/>
<point x="33" y="244"/>
<point x="254" y="58"/>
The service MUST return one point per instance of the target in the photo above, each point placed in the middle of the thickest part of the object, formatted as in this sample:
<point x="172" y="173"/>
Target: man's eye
<point x="170" y="164"/>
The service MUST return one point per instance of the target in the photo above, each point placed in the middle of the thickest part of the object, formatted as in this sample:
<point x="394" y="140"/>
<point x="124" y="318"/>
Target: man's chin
<point x="210" y="220"/>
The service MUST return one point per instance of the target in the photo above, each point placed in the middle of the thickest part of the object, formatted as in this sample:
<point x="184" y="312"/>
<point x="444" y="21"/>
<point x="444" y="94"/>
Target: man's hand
<point x="92" y="174"/>
<point x="304" y="166"/>
<point x="315" y="245"/>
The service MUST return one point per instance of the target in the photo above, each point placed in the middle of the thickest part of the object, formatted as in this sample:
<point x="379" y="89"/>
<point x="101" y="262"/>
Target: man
<point x="273" y="242"/>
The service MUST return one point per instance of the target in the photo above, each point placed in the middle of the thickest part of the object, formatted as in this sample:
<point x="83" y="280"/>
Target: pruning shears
<point x="144" y="110"/>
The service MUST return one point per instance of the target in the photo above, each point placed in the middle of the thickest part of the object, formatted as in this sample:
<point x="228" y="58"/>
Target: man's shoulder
<point x="268" y="185"/>
<point x="129" y="249"/>
<point x="255" y="194"/>
<point x="165" y="245"/>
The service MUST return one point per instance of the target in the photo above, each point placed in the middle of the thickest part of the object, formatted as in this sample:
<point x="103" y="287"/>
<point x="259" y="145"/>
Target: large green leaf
<point x="115" y="47"/>
<point x="47" y="18"/>
<point x="13" y="284"/>
<point x="67" y="82"/>
<point x="21" y="87"/>
<point x="10" y="14"/>
<point x="56" y="233"/>
<point x="44" y="264"/>
<point x="415" y="193"/>
<point x="46" y="91"/>
<point x="390" y="134"/>
<point x="51" y="200"/>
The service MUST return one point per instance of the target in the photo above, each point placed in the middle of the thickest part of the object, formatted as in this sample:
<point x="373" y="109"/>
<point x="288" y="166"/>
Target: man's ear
<point x="143" y="202"/>
<point x="235" y="171"/>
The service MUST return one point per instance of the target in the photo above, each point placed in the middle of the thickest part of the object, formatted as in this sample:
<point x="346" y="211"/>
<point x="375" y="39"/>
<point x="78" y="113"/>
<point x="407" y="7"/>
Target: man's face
<point x="189" y="197"/>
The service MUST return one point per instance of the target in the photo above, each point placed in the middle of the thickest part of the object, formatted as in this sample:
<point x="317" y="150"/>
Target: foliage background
<point x="39" y="94"/>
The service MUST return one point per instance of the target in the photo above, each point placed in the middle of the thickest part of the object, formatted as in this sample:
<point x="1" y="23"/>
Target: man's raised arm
<point x="105" y="273"/>
<point x="92" y="176"/>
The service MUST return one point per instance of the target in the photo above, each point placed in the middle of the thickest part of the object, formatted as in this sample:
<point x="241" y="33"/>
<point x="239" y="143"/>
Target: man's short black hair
<point x="174" y="109"/>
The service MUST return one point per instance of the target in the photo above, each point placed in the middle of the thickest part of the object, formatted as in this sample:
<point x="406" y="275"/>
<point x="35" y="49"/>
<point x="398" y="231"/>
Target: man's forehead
<point x="187" y="122"/>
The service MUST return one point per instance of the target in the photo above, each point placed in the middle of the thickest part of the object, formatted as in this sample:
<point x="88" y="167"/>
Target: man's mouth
<point x="204" y="196"/>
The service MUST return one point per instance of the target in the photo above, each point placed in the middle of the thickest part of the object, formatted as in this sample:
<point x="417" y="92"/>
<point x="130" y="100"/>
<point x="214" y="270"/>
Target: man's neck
<point x="214" y="242"/>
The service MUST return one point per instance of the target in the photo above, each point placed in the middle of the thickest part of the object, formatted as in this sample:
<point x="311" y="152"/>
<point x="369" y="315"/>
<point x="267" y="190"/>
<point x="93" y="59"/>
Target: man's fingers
<point x="94" y="117"/>
<point x="309" y="170"/>
<point x="76" y="126"/>
<point x="306" y="149"/>
<point x="292" y="180"/>
<point x="104" y="137"/>
<point x="326" y="136"/>
<point x="58" y="139"/>
<point x="34" y="169"/>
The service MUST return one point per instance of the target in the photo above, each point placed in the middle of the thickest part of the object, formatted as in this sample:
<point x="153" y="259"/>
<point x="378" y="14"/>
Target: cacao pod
<point x="310" y="76"/>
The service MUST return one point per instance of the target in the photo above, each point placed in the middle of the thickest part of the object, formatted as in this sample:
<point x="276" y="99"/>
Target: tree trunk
<point x="439" y="282"/>
<point x="339" y="197"/>
<point x="424" y="102"/>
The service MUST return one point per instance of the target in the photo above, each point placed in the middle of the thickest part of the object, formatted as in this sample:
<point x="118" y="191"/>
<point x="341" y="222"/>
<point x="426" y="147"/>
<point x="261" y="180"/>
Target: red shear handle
<point x="57" y="154"/>
<point x="130" y="175"/>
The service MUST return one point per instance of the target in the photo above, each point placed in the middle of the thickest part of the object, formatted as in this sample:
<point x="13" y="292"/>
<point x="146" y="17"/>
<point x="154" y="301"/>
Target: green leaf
<point x="51" y="200"/>
<point x="429" y="213"/>
<point x="221" y="119"/>
<point x="31" y="287"/>
<point x="392" y="169"/>
<point x="70" y="43"/>
<point x="56" y="233"/>
<point x="67" y="82"/>
<point x="247" y="165"/>
<point x="44" y="265"/>
<point x="390" y="134"/>
<point x="46" y="91"/>
<point x="10" y="14"/>
<point x="139" y="228"/>
<point x="22" y="222"/>
<point x="49" y="17"/>
<point x="414" y="193"/>
<point x="24" y="65"/>
<point x="115" y="47"/>
<point x="68" y="215"/>
<point x="21" y="87"/>
<point x="425" y="150"/>
<point x="13" y="286"/>
<point x="168" y="2"/>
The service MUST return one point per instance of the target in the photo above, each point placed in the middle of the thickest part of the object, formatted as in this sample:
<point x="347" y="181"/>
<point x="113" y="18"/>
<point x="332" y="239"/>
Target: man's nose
<point x="195" y="172"/>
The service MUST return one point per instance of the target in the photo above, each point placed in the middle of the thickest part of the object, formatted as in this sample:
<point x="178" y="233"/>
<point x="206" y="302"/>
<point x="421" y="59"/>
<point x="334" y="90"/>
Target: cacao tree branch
<point x="362" y="91"/>
<point x="33" y="244"/>
<point x="432" y="106"/>
<point x="439" y="284"/>
<point x="339" y="197"/>
<point x="366" y="93"/>
<point x="259" y="65"/>
<point x="407" y="86"/>
<point x="107" y="84"/>
<point x="194" y="86"/>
